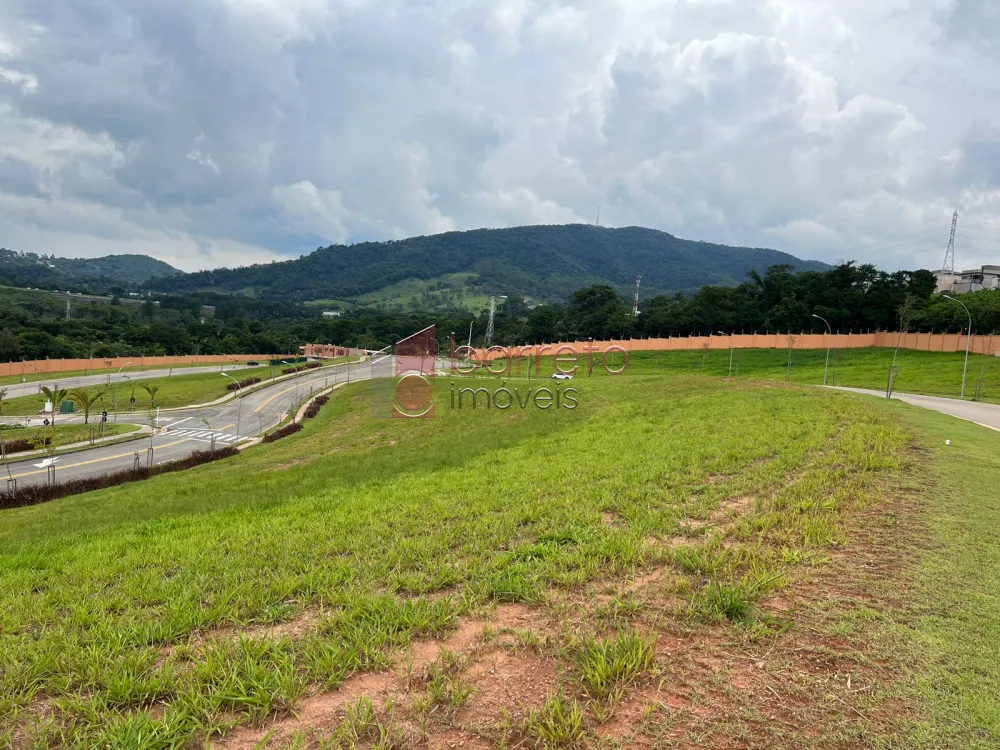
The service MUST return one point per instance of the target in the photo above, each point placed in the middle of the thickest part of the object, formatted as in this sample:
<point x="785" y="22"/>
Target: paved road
<point x="987" y="415"/>
<point x="185" y="430"/>
<point x="106" y="378"/>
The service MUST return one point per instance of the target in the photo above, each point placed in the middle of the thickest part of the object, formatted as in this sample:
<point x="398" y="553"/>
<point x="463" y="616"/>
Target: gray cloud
<point x="222" y="132"/>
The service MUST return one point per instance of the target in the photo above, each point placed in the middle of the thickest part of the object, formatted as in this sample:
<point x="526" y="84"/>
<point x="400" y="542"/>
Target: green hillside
<point x="79" y="274"/>
<point x="542" y="262"/>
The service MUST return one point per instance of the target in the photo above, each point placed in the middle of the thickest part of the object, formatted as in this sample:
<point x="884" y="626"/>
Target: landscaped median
<point x="20" y="440"/>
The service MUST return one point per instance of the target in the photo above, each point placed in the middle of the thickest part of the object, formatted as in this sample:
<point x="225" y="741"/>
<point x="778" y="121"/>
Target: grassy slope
<point x="403" y="293"/>
<point x="354" y="510"/>
<point x="365" y="517"/>
<point x="953" y="628"/>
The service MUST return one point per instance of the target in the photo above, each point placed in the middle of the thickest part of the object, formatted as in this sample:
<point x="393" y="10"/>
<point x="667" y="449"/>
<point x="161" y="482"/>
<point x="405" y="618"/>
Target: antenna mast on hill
<point x="635" y="305"/>
<point x="598" y="222"/>
<point x="949" y="254"/>
<point x="489" y="325"/>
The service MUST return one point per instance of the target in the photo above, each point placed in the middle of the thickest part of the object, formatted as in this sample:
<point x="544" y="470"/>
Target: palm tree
<point x="151" y="390"/>
<point x="55" y="396"/>
<point x="87" y="400"/>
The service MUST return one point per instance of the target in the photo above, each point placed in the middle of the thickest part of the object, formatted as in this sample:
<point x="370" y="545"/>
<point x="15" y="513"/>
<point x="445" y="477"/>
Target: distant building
<point x="331" y="313"/>
<point x="327" y="351"/>
<point x="207" y="311"/>
<point x="973" y="280"/>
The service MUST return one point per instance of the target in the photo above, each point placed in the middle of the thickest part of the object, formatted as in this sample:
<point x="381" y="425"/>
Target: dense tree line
<point x="850" y="297"/>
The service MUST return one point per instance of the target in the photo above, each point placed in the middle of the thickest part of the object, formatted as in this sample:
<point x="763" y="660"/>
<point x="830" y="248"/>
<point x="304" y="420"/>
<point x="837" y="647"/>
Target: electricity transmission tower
<point x="489" y="325"/>
<point x="949" y="254"/>
<point x="635" y="305"/>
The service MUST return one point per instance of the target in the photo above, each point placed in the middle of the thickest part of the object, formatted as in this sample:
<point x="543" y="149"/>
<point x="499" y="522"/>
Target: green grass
<point x="66" y="434"/>
<point x="558" y="723"/>
<point x="953" y="621"/>
<point x="932" y="373"/>
<point x="381" y="531"/>
<point x="607" y="665"/>
<point x="430" y="293"/>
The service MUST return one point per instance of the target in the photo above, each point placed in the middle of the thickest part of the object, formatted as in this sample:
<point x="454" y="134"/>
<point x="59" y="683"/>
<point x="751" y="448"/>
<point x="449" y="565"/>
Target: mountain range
<point x="454" y="269"/>
<point x="545" y="263"/>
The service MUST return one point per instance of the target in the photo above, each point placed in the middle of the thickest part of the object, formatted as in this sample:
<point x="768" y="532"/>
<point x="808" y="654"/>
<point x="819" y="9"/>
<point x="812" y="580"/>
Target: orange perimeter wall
<point x="931" y="342"/>
<point x="31" y="367"/>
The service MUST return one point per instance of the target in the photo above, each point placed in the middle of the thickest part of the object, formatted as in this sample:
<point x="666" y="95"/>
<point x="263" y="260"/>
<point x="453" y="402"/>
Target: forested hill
<point x="543" y="262"/>
<point x="79" y="274"/>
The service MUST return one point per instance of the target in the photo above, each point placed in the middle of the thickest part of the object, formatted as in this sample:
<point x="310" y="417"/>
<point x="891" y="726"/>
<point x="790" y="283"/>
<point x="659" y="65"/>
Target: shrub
<point x="315" y="406"/>
<point x="301" y="368"/>
<point x="289" y="429"/>
<point x="243" y="384"/>
<point x="19" y="445"/>
<point x="40" y="493"/>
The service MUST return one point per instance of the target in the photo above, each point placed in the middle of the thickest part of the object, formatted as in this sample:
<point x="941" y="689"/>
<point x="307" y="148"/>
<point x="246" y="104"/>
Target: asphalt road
<point x="189" y="429"/>
<point x="987" y="415"/>
<point x="106" y="378"/>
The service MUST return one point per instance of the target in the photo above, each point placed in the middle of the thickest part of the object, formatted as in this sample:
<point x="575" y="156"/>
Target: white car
<point x="561" y="376"/>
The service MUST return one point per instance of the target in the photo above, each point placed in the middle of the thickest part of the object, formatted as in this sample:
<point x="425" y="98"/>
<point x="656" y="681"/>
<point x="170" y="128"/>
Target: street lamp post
<point x="829" y="334"/>
<point x="239" y="410"/>
<point x="130" y="407"/>
<point x="968" y="341"/>
<point x="117" y="379"/>
<point x="730" y="351"/>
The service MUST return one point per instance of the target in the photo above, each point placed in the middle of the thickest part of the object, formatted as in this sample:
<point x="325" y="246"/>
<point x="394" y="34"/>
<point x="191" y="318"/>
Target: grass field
<point x="681" y="561"/>
<point x="65" y="434"/>
<point x="951" y="620"/>
<point x="450" y="288"/>
<point x="171" y="619"/>
<point x="932" y="373"/>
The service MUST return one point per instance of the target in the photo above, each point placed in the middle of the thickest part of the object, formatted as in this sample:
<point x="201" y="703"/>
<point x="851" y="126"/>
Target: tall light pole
<point x="130" y="407"/>
<point x="239" y="411"/>
<point x="730" y="351"/>
<point x="829" y="334"/>
<point x="968" y="341"/>
<point x="118" y="378"/>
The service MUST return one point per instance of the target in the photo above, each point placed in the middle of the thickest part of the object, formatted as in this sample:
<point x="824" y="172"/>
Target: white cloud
<point x="204" y="131"/>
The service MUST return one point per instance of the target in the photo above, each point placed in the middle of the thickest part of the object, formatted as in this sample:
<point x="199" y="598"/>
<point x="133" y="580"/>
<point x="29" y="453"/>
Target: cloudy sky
<point x="227" y="132"/>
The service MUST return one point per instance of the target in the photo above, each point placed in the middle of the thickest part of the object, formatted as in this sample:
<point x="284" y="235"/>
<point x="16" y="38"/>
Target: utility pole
<point x="635" y="304"/>
<point x="949" y="254"/>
